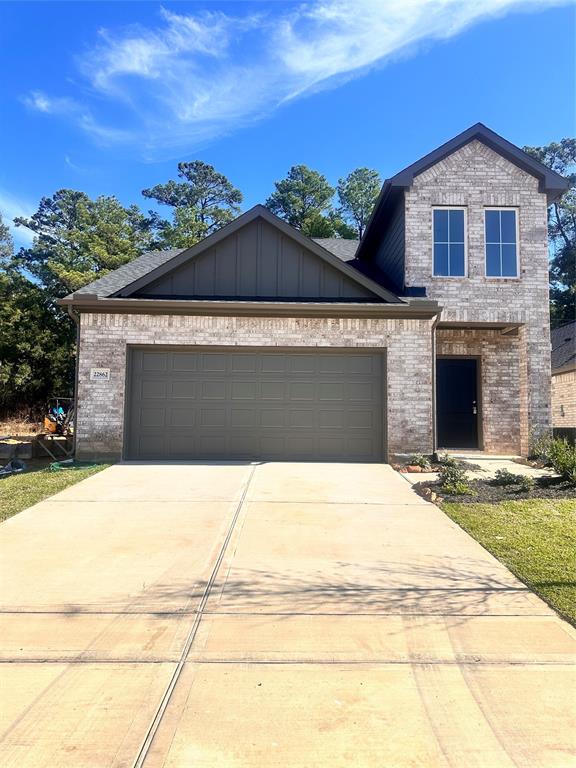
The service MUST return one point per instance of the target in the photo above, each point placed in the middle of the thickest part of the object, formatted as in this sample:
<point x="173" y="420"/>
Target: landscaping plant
<point x="526" y="483"/>
<point x="452" y="479"/>
<point x="505" y="477"/>
<point x="419" y="460"/>
<point x="557" y="453"/>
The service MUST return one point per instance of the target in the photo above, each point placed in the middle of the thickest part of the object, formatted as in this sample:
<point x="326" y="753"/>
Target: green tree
<point x="202" y="203"/>
<point x="6" y="243"/>
<point x="183" y="231"/>
<point x="302" y="199"/>
<point x="36" y="342"/>
<point x="77" y="239"/>
<point x="561" y="157"/>
<point x="357" y="195"/>
<point x="332" y="225"/>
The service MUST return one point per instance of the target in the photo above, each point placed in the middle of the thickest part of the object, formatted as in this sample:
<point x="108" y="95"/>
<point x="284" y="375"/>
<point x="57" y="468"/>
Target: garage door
<point x="247" y="404"/>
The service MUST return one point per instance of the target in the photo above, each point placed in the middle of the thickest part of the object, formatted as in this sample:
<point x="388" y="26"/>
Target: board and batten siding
<point x="390" y="254"/>
<point x="258" y="261"/>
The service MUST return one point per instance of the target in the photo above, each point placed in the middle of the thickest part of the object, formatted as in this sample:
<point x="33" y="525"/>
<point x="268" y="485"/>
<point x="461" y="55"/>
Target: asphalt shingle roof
<point x="128" y="273"/>
<point x="344" y="249"/>
<point x="563" y="345"/>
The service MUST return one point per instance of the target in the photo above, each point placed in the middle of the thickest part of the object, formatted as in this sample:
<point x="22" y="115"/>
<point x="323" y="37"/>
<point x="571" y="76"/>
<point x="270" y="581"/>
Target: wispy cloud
<point x="11" y="207"/>
<point x="197" y="76"/>
<point x="79" y="113"/>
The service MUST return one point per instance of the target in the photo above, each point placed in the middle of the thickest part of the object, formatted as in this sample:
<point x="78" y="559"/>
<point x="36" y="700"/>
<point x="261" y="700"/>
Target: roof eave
<point x="566" y="368"/>
<point x="417" y="309"/>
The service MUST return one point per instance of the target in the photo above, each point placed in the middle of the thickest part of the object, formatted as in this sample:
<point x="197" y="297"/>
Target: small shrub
<point x="540" y="447"/>
<point x="458" y="489"/>
<point x="504" y="477"/>
<point x="419" y="460"/>
<point x="526" y="483"/>
<point x="452" y="480"/>
<point x="562" y="457"/>
<point x="446" y="461"/>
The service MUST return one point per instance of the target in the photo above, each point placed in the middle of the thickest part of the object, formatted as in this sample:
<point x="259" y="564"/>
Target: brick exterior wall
<point x="564" y="399"/>
<point x="104" y="339"/>
<point x="475" y="177"/>
<point x="500" y="400"/>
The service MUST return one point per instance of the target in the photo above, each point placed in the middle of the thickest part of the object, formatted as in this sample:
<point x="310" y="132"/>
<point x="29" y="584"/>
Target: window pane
<point x="492" y="226"/>
<point x="493" y="260"/>
<point x="441" y="260"/>
<point x="456" y="226"/>
<point x="457" y="260"/>
<point x="509" y="261"/>
<point x="440" y="226"/>
<point x="508" y="224"/>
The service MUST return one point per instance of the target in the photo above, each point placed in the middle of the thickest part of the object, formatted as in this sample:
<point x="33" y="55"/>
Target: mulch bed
<point x="487" y="491"/>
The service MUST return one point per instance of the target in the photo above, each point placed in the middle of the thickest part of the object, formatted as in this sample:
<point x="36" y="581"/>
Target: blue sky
<point x="107" y="97"/>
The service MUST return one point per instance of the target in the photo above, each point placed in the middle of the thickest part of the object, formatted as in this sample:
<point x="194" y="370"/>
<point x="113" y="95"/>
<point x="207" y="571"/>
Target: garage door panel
<point x="152" y="417"/>
<point x="183" y="390"/>
<point x="184" y="362"/>
<point x="213" y="362"/>
<point x="244" y="390"/>
<point x="273" y="418"/>
<point x="151" y="389"/>
<point x="274" y="363"/>
<point x="181" y="418"/>
<point x="315" y="405"/>
<point x="243" y="417"/>
<point x="154" y="361"/>
<point x="272" y="390"/>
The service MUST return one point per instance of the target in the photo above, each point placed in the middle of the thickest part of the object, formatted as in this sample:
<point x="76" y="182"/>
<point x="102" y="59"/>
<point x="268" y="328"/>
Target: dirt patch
<point x="489" y="491"/>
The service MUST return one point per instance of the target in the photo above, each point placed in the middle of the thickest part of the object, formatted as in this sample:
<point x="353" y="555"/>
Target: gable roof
<point x="563" y="341"/>
<point x="550" y="182"/>
<point x="128" y="279"/>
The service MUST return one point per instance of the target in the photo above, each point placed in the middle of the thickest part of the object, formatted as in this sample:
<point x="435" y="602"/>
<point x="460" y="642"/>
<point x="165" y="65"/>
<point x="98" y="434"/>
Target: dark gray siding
<point x="389" y="255"/>
<point x="258" y="261"/>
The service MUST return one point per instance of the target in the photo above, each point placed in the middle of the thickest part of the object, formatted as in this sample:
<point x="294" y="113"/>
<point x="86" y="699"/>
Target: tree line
<point x="77" y="239"/>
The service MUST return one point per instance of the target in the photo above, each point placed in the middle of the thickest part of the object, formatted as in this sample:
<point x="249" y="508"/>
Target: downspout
<point x="434" y="426"/>
<point x="76" y="318"/>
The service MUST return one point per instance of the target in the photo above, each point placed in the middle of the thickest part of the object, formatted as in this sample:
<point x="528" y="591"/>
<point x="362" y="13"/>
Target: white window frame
<point x="451" y="208"/>
<point x="517" y="212"/>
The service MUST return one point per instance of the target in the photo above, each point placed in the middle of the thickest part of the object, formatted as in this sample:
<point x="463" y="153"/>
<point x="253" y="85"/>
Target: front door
<point x="457" y="402"/>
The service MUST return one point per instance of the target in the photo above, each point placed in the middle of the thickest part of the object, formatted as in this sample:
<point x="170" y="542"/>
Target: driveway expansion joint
<point x="157" y="719"/>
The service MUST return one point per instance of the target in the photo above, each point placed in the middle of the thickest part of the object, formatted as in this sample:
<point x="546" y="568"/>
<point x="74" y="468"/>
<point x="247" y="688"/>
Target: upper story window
<point x="449" y="242"/>
<point x="501" y="242"/>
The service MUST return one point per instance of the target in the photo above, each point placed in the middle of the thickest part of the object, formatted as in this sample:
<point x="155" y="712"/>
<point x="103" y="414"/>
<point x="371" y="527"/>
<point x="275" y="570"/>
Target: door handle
<point x="474" y="408"/>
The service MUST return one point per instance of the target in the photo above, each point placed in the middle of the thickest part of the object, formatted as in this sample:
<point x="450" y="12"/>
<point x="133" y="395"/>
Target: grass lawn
<point x="534" y="538"/>
<point x="21" y="491"/>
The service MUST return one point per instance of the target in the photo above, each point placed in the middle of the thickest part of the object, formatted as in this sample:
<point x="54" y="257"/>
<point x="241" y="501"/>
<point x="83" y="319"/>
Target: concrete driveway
<point x="294" y="615"/>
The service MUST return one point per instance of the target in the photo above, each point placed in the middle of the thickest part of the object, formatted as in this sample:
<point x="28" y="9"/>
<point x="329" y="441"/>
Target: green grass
<point x="19" y="492"/>
<point x="534" y="538"/>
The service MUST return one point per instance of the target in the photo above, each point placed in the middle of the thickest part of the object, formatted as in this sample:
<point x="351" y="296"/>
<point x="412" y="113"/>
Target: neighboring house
<point x="564" y="379"/>
<point x="259" y="342"/>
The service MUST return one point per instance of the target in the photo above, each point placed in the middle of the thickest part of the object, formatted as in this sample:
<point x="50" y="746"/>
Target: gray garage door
<point x="241" y="404"/>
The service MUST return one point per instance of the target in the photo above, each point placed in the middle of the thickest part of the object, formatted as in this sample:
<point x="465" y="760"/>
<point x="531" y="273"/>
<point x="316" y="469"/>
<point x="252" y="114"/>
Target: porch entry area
<point x="457" y="402"/>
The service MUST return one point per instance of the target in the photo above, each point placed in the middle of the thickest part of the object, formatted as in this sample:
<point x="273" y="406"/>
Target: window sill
<point x="449" y="277"/>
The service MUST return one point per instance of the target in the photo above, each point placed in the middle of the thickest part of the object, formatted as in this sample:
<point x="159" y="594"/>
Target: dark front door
<point x="457" y="402"/>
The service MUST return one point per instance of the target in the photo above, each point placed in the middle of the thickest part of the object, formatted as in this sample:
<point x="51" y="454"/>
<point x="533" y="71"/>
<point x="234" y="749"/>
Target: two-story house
<point x="261" y="343"/>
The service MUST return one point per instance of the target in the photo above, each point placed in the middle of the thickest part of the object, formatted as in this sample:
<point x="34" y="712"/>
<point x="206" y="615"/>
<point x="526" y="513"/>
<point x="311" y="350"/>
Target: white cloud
<point x="11" y="207"/>
<point x="197" y="76"/>
<point x="78" y="113"/>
